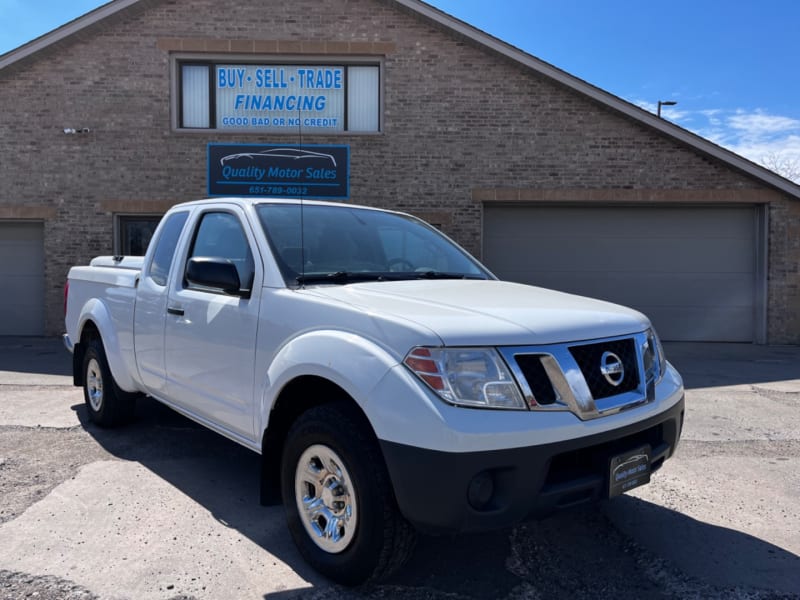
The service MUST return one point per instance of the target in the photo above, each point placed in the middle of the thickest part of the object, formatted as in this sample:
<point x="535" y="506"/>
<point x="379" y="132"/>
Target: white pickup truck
<point x="389" y="381"/>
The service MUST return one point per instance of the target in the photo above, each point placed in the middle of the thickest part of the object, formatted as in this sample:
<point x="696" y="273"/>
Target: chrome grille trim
<point x="572" y="393"/>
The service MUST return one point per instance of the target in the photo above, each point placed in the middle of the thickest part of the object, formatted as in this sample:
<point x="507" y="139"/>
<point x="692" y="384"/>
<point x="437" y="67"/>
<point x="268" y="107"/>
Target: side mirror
<point x="217" y="273"/>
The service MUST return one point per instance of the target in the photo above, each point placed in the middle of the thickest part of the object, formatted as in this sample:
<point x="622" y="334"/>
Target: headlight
<point x="655" y="363"/>
<point x="466" y="376"/>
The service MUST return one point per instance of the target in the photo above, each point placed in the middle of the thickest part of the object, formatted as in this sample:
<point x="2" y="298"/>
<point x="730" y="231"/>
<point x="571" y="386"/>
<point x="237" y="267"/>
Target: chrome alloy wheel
<point x="326" y="500"/>
<point x="94" y="384"/>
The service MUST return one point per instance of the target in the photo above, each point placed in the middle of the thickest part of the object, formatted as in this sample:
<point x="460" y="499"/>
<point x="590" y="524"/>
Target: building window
<point x="195" y="97"/>
<point x="279" y="98"/>
<point x="134" y="234"/>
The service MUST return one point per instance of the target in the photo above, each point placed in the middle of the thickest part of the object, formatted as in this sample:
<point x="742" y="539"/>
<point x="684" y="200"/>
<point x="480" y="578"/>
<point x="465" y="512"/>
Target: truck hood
<point x="489" y="313"/>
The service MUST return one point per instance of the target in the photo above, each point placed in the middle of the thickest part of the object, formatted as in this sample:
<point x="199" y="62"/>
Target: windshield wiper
<point x="344" y="277"/>
<point x="443" y="275"/>
<point x="339" y="277"/>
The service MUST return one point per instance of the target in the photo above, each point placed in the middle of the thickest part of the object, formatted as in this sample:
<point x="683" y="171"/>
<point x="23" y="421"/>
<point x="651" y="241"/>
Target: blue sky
<point x="731" y="65"/>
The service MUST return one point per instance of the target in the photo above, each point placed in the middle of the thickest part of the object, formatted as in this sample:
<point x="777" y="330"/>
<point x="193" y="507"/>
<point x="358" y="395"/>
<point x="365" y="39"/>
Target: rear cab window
<point x="161" y="261"/>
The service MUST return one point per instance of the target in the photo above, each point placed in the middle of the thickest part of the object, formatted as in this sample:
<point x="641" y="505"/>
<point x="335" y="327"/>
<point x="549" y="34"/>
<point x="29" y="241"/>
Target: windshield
<point x="342" y="244"/>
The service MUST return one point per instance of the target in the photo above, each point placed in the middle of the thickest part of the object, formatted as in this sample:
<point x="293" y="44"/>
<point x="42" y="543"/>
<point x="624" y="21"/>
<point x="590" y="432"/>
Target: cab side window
<point x="161" y="262"/>
<point x="220" y="235"/>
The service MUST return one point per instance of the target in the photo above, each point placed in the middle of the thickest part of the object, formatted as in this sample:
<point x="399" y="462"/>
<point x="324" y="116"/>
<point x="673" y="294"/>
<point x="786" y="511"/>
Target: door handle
<point x="175" y="311"/>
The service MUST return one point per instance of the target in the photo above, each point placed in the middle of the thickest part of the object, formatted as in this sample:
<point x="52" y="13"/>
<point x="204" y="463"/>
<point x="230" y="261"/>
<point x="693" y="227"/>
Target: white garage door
<point x="692" y="270"/>
<point x="22" y="277"/>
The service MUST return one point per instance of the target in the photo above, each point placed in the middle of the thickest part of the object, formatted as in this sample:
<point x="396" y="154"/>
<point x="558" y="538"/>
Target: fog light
<point x="480" y="490"/>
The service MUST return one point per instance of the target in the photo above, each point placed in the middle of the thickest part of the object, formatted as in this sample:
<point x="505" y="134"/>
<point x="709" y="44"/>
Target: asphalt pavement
<point x="163" y="509"/>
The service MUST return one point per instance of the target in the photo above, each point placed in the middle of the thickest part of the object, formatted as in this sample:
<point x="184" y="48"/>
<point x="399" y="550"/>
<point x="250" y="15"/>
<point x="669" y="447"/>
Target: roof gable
<point x="490" y="42"/>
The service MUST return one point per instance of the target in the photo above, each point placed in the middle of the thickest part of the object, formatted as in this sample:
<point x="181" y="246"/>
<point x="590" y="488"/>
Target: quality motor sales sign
<point x="279" y="170"/>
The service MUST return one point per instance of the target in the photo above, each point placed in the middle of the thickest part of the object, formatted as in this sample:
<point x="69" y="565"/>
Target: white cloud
<point x="649" y="106"/>
<point x="768" y="139"/>
<point x="713" y="116"/>
<point x="758" y="123"/>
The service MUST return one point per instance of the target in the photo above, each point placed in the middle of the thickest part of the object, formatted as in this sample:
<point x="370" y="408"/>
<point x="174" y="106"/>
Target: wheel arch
<point x="88" y="332"/>
<point x="97" y="322"/>
<point x="298" y="396"/>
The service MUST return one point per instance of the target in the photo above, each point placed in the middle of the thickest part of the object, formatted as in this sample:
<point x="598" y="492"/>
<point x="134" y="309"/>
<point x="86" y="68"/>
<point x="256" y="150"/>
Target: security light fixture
<point x="665" y="103"/>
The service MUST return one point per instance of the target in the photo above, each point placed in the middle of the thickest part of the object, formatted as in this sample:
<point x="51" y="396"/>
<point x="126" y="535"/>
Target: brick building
<point x="114" y="117"/>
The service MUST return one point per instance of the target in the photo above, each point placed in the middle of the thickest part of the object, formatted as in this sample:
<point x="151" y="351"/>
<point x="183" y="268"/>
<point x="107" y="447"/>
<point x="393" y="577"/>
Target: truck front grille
<point x="590" y="379"/>
<point x="536" y="376"/>
<point x="589" y="358"/>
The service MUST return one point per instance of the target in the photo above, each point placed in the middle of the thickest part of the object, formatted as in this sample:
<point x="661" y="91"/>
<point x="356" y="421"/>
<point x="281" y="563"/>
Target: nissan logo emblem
<point x="612" y="368"/>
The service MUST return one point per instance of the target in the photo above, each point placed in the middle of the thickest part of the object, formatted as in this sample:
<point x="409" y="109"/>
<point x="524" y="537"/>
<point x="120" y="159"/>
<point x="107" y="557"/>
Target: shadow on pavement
<point x="714" y="365"/>
<point x="218" y="474"/>
<point x="576" y="554"/>
<point x="40" y="355"/>
<point x="719" y="556"/>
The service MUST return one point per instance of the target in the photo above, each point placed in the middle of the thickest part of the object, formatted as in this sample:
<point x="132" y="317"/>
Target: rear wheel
<point x="339" y="503"/>
<point x="108" y="406"/>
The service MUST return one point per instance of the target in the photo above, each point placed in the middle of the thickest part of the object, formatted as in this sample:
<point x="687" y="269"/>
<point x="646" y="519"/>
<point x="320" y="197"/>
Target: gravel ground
<point x="579" y="555"/>
<point x="19" y="585"/>
<point x="718" y="521"/>
<point x="34" y="461"/>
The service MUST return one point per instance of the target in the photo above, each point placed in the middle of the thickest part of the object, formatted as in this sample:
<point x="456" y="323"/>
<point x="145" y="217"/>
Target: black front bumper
<point x="446" y="492"/>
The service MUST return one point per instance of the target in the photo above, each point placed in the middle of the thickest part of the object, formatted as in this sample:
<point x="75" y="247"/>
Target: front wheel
<point x="338" y="500"/>
<point x="108" y="406"/>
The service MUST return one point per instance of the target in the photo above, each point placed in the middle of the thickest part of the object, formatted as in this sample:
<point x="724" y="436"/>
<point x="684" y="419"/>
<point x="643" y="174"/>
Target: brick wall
<point x="457" y="118"/>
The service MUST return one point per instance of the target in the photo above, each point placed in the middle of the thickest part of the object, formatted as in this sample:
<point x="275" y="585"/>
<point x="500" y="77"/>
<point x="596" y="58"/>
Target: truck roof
<point x="251" y="201"/>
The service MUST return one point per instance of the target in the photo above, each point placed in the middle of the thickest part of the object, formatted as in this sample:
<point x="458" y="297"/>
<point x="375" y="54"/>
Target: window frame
<point x="119" y="237"/>
<point x="178" y="59"/>
<point x="190" y="249"/>
<point x="164" y="282"/>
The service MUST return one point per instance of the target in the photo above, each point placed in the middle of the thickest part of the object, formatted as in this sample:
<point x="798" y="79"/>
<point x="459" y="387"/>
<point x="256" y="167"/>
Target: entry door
<point x="210" y="337"/>
<point x="22" y="277"/>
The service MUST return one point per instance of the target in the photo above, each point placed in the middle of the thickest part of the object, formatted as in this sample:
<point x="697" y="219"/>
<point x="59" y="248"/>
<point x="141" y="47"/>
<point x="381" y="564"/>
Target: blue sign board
<point x="285" y="98"/>
<point x="281" y="171"/>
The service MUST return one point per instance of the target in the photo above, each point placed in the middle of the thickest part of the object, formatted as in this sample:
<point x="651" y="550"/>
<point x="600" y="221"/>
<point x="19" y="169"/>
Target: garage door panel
<point x="22" y="276"/>
<point x="23" y="288"/>
<point x="630" y="254"/>
<point x="19" y="319"/>
<point x="725" y="324"/>
<point x="17" y="259"/>
<point x="20" y="231"/>
<point x="692" y="270"/>
<point x="619" y="221"/>
<point x="685" y="289"/>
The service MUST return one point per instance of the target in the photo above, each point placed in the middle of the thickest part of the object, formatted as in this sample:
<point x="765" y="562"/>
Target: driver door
<point x="210" y="336"/>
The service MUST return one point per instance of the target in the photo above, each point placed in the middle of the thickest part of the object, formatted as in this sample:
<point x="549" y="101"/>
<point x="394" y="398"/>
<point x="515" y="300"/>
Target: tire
<point x="339" y="504"/>
<point x="108" y="406"/>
